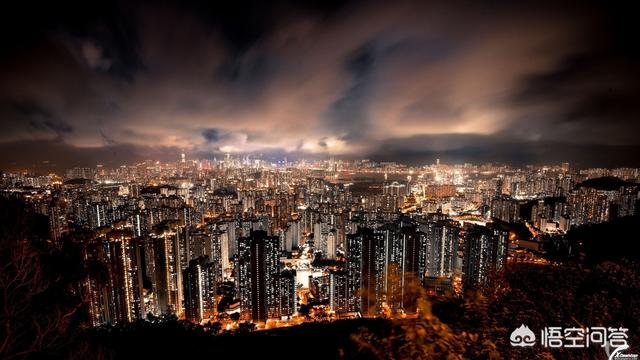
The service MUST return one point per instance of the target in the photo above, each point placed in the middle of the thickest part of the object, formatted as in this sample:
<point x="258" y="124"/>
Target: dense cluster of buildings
<point x="347" y="237"/>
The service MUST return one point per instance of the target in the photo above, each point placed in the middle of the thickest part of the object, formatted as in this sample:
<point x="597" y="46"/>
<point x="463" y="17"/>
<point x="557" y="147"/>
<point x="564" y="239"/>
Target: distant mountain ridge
<point x="606" y="183"/>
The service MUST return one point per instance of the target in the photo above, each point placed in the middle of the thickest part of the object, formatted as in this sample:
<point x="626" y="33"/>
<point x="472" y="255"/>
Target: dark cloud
<point x="451" y="148"/>
<point x="107" y="139"/>
<point x="56" y="156"/>
<point x="513" y="82"/>
<point x="246" y="22"/>
<point x="348" y="116"/>
<point x="41" y="118"/>
<point x="35" y="118"/>
<point x="211" y="135"/>
<point x="590" y="95"/>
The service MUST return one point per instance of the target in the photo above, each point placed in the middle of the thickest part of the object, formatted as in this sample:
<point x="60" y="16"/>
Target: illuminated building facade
<point x="442" y="248"/>
<point x="485" y="252"/>
<point x="200" y="285"/>
<point x="116" y="297"/>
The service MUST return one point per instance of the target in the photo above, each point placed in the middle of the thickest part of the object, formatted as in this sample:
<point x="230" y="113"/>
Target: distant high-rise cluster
<point x="239" y="240"/>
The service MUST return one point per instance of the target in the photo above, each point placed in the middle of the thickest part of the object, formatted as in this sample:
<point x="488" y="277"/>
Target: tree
<point x="41" y="308"/>
<point x="213" y="327"/>
<point x="425" y="337"/>
<point x="246" y="327"/>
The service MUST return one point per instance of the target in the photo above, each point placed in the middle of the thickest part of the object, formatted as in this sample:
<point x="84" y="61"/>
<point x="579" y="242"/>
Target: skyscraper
<point x="243" y="276"/>
<point x="354" y="271"/>
<point x="404" y="260"/>
<point x="57" y="221"/>
<point x="365" y="266"/>
<point x="199" y="283"/>
<point x="331" y="245"/>
<point x="167" y="279"/>
<point x="485" y="251"/>
<point x="442" y="248"/>
<point x="287" y="293"/>
<point x="264" y="270"/>
<point x="338" y="291"/>
<point x="98" y="215"/>
<point x="117" y="297"/>
<point x="257" y="272"/>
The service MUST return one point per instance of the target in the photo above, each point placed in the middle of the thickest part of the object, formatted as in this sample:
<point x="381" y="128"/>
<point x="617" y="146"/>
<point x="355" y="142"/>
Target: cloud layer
<point x="404" y="81"/>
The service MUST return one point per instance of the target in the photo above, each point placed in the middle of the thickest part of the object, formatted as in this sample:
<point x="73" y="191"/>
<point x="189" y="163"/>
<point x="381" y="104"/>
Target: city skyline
<point x="239" y="240"/>
<point x="341" y="168"/>
<point x="406" y="82"/>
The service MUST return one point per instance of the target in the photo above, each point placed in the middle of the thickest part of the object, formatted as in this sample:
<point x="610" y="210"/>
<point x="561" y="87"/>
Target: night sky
<point x="90" y="82"/>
